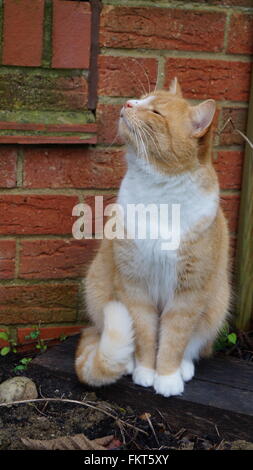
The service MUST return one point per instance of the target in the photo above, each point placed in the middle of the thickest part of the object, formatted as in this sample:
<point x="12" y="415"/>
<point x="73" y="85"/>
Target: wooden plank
<point x="245" y="234"/>
<point x="219" y="398"/>
<point x="227" y="371"/>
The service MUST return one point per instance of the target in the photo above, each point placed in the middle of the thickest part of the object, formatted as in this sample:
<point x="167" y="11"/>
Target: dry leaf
<point x="77" y="442"/>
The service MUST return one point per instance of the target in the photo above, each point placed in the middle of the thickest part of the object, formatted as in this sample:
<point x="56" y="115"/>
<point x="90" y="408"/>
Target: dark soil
<point x="47" y="420"/>
<point x="243" y="349"/>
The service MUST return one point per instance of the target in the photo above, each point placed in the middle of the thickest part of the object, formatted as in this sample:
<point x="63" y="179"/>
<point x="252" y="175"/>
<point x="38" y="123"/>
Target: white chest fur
<point x="142" y="184"/>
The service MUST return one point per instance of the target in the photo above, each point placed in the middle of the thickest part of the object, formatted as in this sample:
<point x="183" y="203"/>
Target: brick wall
<point x="208" y="46"/>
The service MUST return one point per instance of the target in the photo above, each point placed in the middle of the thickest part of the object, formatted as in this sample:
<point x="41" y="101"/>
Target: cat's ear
<point x="201" y="117"/>
<point x="175" y="88"/>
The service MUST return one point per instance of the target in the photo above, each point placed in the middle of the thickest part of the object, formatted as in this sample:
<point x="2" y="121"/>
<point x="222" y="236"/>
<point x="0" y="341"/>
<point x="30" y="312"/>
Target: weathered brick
<point x="142" y="75"/>
<point x="71" y="34"/>
<point x="72" y="167"/>
<point x="36" y="214"/>
<point x="98" y="217"/>
<point x="217" y="79"/>
<point x="38" y="303"/>
<point x="107" y="122"/>
<point x="231" y="205"/>
<point x="48" y="333"/>
<point x="226" y="3"/>
<point x="229" y="136"/>
<point x="240" y="37"/>
<point x="7" y="259"/>
<point x="55" y="258"/>
<point x="162" y="28"/>
<point x="229" y="168"/>
<point x="8" y="157"/>
<point x="23" y="32"/>
<point x="42" y="90"/>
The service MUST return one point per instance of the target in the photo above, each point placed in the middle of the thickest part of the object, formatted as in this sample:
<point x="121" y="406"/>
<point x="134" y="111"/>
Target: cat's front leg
<point x="145" y="319"/>
<point x="172" y="368"/>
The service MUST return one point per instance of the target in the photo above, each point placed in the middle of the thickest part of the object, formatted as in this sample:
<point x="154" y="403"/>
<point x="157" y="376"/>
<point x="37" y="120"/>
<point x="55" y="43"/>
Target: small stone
<point x="17" y="388"/>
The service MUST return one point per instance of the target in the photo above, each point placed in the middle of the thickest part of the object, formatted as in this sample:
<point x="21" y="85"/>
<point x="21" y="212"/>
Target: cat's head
<point x="163" y="128"/>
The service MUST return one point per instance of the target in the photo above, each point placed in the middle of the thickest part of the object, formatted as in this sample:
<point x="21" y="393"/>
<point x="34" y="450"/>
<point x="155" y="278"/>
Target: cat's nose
<point x="128" y="104"/>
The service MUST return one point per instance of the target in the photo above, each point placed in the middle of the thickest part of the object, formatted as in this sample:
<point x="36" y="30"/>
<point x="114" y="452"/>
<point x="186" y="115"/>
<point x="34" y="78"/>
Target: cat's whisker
<point x="136" y="78"/>
<point x="139" y="140"/>
<point x="142" y="135"/>
<point x="113" y="141"/>
<point x="157" y="78"/>
<point x="156" y="137"/>
<point x="145" y="72"/>
<point x="147" y="133"/>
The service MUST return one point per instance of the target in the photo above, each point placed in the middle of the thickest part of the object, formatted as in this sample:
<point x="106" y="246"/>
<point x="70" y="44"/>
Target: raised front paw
<point x="168" y="385"/>
<point x="143" y="376"/>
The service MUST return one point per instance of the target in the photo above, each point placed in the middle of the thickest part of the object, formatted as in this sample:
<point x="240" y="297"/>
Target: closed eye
<point x="156" y="112"/>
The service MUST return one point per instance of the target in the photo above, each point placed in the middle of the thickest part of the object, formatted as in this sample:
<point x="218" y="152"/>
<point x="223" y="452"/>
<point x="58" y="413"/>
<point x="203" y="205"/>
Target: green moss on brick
<point x="42" y="90"/>
<point x="47" y="117"/>
<point x="47" y="46"/>
<point x="1" y="30"/>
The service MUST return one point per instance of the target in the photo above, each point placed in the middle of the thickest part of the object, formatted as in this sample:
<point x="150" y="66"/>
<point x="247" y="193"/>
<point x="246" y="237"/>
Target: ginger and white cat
<point x="156" y="311"/>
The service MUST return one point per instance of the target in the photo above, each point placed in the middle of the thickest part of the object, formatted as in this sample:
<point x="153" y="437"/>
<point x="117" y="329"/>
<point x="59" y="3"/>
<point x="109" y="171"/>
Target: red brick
<point x="231" y="205"/>
<point x="141" y="73"/>
<point x="23" y="32"/>
<point x="162" y="28"/>
<point x="7" y="259"/>
<point x="228" y="135"/>
<point x="229" y="168"/>
<point x="48" y="333"/>
<point x="99" y="218"/>
<point x="38" y="303"/>
<point x="36" y="214"/>
<point x="55" y="258"/>
<point x="240" y="37"/>
<point x="8" y="157"/>
<point x="217" y="79"/>
<point x="69" y="92"/>
<point x="107" y="121"/>
<point x="71" y="34"/>
<point x="72" y="167"/>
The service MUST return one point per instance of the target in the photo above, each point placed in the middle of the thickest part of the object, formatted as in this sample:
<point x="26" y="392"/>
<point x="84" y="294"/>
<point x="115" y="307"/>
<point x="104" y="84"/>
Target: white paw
<point x="187" y="369"/>
<point x="143" y="376"/>
<point x="168" y="385"/>
<point x="130" y="366"/>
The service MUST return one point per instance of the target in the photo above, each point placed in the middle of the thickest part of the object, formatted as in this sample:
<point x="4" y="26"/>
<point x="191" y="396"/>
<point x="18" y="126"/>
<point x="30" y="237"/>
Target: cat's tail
<point x="102" y="359"/>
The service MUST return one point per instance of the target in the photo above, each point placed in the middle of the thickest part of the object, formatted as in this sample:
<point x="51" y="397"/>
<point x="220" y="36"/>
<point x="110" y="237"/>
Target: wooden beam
<point x="244" y="271"/>
<point x="218" y="400"/>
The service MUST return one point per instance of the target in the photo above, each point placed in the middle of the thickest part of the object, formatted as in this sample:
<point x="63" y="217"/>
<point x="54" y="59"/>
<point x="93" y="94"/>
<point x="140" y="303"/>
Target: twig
<point x="76" y="402"/>
<point x="220" y="446"/>
<point x="162" y="416"/>
<point x="245" y="138"/>
<point x="152" y="428"/>
<point x="217" y="430"/>
<point x="229" y="120"/>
